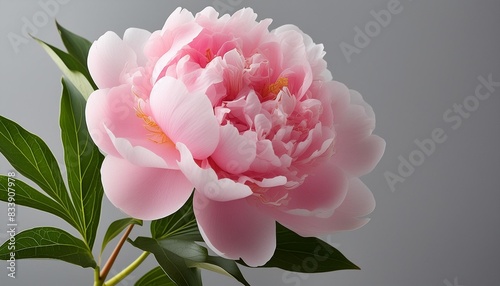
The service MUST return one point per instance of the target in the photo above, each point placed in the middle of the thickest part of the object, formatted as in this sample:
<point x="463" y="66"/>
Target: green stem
<point x="125" y="272"/>
<point x="97" y="279"/>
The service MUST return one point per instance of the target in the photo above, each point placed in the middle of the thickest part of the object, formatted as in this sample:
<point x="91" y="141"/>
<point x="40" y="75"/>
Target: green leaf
<point x="174" y="265"/>
<point x="306" y="254"/>
<point x="71" y="68"/>
<point x="49" y="242"/>
<point x="182" y="224"/>
<point x="222" y="266"/>
<point x="77" y="46"/>
<point x="27" y="196"/>
<point x="83" y="162"/>
<point x="196" y="256"/>
<point x="115" y="228"/>
<point x="155" y="277"/>
<point x="29" y="155"/>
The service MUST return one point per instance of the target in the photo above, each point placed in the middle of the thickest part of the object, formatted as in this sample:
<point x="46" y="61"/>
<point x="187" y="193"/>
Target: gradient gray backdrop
<point x="440" y="227"/>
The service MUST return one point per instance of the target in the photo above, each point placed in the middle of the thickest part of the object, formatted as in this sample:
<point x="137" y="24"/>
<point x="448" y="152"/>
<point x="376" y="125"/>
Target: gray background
<point x="439" y="227"/>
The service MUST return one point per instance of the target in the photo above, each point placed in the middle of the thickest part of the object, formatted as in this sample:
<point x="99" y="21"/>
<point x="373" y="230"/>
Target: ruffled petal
<point x="235" y="152"/>
<point x="207" y="182"/>
<point x="179" y="30"/>
<point x="349" y="214"/>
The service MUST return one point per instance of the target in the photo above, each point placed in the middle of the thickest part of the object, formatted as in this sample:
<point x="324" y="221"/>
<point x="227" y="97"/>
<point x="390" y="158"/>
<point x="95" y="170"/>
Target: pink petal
<point x="113" y="108"/>
<point x="357" y="98"/>
<point x="179" y="17"/>
<point x="207" y="182"/>
<point x="136" y="39"/>
<point x="324" y="189"/>
<point x="179" y="31"/>
<point x="315" y="54"/>
<point x="266" y="159"/>
<point x="349" y="214"/>
<point x="184" y="117"/>
<point x="116" y="129"/>
<point x="360" y="157"/>
<point x="356" y="150"/>
<point x="109" y="59"/>
<point x="236" y="230"/>
<point x="142" y="156"/>
<point x="144" y="193"/>
<point x="359" y="200"/>
<point x="235" y="152"/>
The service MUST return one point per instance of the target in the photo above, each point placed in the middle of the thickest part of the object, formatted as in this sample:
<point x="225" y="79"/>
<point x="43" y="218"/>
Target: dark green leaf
<point x="155" y="277"/>
<point x="83" y="162"/>
<point x="173" y="265"/>
<point x="223" y="266"/>
<point x="27" y="196"/>
<point x="196" y="256"/>
<point x="49" y="242"/>
<point x="116" y="227"/>
<point x="29" y="155"/>
<point x="182" y="225"/>
<point x="306" y="254"/>
<point x="71" y="68"/>
<point x="77" y="46"/>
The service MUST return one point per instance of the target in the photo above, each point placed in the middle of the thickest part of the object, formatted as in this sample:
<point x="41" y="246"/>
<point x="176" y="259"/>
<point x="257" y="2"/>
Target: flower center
<point x="275" y="87"/>
<point x="209" y="55"/>
<point x="156" y="134"/>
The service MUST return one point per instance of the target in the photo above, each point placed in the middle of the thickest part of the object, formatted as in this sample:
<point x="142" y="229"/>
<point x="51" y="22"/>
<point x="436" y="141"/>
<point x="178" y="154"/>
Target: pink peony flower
<point x="249" y="117"/>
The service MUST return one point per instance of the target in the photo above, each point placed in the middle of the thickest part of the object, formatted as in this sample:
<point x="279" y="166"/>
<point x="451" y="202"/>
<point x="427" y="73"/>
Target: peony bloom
<point x="250" y="118"/>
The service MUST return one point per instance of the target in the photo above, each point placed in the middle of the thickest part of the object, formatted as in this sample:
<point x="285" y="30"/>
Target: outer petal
<point x="113" y="108"/>
<point x="136" y="39"/>
<point x="143" y="157"/>
<point x="144" y="193"/>
<point x="207" y="182"/>
<point x="184" y="117"/>
<point x="109" y="59"/>
<point x="116" y="129"/>
<point x="358" y="202"/>
<point x="236" y="229"/>
<point x="357" y="98"/>
<point x="360" y="157"/>
<point x="356" y="150"/>
<point x="321" y="192"/>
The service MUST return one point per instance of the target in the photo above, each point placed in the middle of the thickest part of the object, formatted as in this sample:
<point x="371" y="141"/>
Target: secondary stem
<point x="107" y="267"/>
<point x="125" y="272"/>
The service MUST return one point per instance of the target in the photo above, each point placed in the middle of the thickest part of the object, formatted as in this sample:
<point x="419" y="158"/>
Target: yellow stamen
<point x="157" y="135"/>
<point x="276" y="87"/>
<point x="209" y="55"/>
